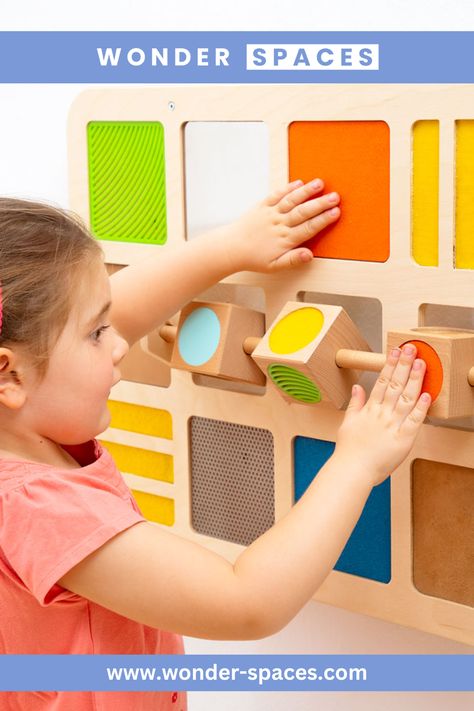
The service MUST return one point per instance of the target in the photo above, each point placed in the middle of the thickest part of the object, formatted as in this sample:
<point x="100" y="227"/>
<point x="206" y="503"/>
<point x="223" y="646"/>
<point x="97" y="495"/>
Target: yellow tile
<point x="425" y="193"/>
<point x="464" y="194"/>
<point x="158" y="509"/>
<point x="141" y="419"/>
<point x="142" y="462"/>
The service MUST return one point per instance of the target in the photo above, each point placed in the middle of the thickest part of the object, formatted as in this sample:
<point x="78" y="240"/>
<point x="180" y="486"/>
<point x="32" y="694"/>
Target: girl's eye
<point x="98" y="333"/>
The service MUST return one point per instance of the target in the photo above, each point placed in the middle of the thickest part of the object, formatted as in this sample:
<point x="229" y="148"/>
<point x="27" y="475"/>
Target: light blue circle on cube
<point x="199" y="336"/>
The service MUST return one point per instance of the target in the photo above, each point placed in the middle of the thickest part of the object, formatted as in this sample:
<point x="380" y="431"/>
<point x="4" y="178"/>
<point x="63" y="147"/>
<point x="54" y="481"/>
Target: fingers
<point x="311" y="227"/>
<point x="394" y="376"/>
<point x="305" y="217"/>
<point x="398" y="389"/>
<point x="299" y="195"/>
<point x="276" y="196"/>
<point x="408" y="398"/>
<point x="292" y="258"/>
<point x="415" y="419"/>
<point x="311" y="208"/>
<point x="400" y="376"/>
<point x="356" y="402"/>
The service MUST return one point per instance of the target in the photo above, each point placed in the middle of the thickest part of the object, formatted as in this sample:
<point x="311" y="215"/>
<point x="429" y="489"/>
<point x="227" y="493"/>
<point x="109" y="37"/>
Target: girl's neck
<point x="41" y="451"/>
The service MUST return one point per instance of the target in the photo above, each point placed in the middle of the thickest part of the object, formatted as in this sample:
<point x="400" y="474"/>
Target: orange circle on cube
<point x="433" y="380"/>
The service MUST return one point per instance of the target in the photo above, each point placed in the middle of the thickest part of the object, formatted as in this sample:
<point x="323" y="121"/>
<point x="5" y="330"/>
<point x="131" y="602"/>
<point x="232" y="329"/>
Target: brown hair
<point x="44" y="253"/>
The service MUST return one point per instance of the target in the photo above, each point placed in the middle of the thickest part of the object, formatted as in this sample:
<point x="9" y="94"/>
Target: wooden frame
<point x="400" y="284"/>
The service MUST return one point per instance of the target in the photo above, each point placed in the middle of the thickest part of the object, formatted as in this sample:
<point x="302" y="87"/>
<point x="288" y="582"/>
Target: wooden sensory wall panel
<point x="417" y="264"/>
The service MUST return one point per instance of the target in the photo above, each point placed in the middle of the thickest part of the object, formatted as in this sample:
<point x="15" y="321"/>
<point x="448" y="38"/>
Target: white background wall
<point x="33" y="164"/>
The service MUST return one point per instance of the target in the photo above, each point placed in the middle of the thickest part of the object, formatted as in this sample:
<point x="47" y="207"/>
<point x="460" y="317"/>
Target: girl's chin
<point x="103" y="423"/>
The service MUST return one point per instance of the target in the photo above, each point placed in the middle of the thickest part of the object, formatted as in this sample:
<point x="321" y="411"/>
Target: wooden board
<point x="400" y="284"/>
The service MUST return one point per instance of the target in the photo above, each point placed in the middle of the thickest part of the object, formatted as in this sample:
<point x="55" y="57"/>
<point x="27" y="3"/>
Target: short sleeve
<point x="55" y="519"/>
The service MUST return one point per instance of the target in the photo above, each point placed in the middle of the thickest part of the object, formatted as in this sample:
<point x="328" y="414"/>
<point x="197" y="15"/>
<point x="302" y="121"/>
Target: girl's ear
<point x="12" y="390"/>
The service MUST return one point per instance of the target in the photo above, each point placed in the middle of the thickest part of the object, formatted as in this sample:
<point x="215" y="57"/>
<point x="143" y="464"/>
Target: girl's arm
<point x="265" y="239"/>
<point x="164" y="581"/>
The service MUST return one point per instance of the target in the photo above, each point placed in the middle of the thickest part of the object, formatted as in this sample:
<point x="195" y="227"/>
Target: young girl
<point x="81" y="570"/>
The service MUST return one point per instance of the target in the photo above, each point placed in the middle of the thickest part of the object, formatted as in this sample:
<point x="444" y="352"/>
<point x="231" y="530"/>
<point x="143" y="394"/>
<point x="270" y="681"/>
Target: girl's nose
<point x="120" y="350"/>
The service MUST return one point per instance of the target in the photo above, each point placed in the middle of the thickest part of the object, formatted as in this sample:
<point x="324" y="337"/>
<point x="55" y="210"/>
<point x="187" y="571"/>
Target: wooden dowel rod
<point x="250" y="344"/>
<point x="360" y="360"/>
<point x="168" y="333"/>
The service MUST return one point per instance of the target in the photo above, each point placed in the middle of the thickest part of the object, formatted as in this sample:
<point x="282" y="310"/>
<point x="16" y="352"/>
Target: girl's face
<point x="69" y="405"/>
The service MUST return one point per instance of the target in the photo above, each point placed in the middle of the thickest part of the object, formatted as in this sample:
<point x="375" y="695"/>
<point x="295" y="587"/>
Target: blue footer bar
<point x="342" y="672"/>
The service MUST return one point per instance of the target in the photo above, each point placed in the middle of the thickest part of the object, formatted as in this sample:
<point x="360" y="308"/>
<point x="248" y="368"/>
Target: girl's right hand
<point x="379" y="433"/>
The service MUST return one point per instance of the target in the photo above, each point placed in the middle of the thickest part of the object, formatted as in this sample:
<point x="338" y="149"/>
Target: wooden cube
<point x="449" y="354"/>
<point x="210" y="341"/>
<point x="298" y="353"/>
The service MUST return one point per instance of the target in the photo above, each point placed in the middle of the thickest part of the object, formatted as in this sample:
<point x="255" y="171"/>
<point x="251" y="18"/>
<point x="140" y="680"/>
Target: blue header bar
<point x="236" y="57"/>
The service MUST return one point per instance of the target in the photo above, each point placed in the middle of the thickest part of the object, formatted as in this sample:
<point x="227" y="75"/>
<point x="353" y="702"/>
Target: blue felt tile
<point x="367" y="552"/>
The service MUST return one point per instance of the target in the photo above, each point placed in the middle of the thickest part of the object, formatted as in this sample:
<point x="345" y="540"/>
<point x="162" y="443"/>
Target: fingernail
<point x="416" y="365"/>
<point x="333" y="197"/>
<point x="354" y="389"/>
<point x="408" y="349"/>
<point x="425" y="397"/>
<point x="334" y="211"/>
<point x="395" y="353"/>
<point x="316" y="183"/>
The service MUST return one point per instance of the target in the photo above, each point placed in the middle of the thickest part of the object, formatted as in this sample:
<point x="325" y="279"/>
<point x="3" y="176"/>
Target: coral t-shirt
<point x="50" y="520"/>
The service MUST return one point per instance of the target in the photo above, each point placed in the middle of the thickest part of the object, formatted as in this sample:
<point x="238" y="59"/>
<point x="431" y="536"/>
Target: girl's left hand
<point x="267" y="238"/>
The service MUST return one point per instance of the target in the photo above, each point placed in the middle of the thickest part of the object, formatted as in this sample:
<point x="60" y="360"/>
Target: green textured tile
<point x="127" y="181"/>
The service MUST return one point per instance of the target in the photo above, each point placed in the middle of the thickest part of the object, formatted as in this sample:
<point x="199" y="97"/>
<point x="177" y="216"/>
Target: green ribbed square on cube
<point x="127" y="181"/>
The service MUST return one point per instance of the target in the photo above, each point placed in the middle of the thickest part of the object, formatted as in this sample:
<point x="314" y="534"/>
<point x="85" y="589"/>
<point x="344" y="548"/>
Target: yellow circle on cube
<point x="296" y="330"/>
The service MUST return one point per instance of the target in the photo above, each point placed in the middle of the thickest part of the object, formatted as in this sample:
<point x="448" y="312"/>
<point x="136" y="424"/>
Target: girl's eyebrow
<point x="103" y="311"/>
